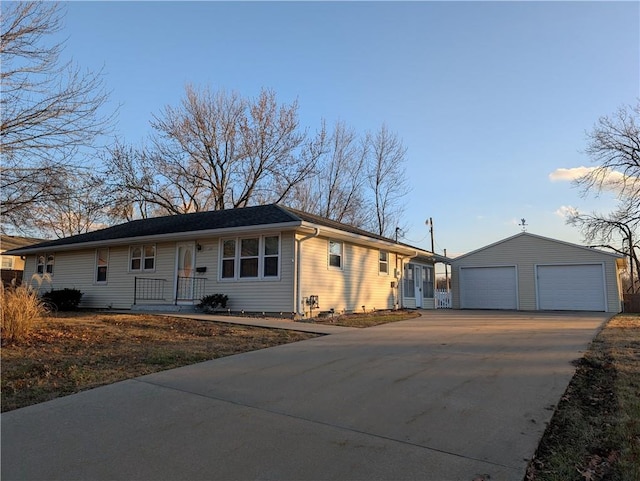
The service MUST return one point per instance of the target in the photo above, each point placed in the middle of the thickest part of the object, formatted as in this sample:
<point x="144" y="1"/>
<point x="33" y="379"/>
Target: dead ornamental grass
<point x="20" y="309"/>
<point x="71" y="352"/>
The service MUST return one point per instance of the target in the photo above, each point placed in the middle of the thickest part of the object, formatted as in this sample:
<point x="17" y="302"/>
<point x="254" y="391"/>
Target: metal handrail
<point x="190" y="288"/>
<point x="148" y="289"/>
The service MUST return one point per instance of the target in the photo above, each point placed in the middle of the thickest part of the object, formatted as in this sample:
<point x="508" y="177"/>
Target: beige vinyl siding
<point x="526" y="252"/>
<point x="76" y="269"/>
<point x="358" y="283"/>
<point x="251" y="295"/>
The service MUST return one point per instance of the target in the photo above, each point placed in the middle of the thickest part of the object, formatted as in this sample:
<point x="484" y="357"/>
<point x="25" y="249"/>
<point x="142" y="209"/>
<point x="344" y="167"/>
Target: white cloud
<point x="567" y="175"/>
<point x="566" y="211"/>
<point x="605" y="179"/>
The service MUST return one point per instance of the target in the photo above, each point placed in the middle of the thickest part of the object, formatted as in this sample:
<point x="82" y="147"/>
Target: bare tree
<point x="216" y="150"/>
<point x="80" y="206"/>
<point x="49" y="110"/>
<point x="335" y="190"/>
<point x="386" y="180"/>
<point x="614" y="146"/>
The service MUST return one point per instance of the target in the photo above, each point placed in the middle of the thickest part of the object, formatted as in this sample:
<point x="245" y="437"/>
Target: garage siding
<point x="526" y="251"/>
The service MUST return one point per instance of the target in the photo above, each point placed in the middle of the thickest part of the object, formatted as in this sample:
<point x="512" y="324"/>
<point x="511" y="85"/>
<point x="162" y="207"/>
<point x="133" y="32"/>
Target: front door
<point x="185" y="260"/>
<point x="418" y="276"/>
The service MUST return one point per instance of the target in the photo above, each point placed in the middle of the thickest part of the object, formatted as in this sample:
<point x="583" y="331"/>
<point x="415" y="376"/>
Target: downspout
<point x="297" y="284"/>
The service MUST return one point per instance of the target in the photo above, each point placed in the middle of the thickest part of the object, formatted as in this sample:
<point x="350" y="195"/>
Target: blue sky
<point x="489" y="98"/>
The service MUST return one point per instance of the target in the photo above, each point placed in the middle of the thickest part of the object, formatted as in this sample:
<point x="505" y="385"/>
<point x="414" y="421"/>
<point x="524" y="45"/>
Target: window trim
<point x="97" y="266"/>
<point x="143" y="258"/>
<point x="238" y="257"/>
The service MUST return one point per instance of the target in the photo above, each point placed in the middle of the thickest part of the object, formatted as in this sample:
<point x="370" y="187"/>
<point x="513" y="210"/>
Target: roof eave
<point x="375" y="242"/>
<point x="173" y="236"/>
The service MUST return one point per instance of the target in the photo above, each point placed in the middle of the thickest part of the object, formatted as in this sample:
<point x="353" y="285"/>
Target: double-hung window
<point x="142" y="258"/>
<point x="271" y="257"/>
<point x="250" y="258"/>
<point x="102" y="265"/>
<point x="335" y="254"/>
<point x="44" y="264"/>
<point x="383" y="263"/>
<point x="228" y="259"/>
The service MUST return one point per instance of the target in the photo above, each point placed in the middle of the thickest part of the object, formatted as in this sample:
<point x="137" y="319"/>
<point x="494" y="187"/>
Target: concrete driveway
<point x="453" y="395"/>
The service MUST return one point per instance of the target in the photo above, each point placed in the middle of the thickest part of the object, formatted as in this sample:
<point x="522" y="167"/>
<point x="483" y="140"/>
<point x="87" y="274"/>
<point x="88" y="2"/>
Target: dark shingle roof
<point x="261" y="215"/>
<point x="174" y="224"/>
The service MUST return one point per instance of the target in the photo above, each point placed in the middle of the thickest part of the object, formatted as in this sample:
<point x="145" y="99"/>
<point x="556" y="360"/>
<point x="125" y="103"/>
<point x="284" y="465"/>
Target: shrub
<point x="63" y="299"/>
<point x="20" y="308"/>
<point x="213" y="301"/>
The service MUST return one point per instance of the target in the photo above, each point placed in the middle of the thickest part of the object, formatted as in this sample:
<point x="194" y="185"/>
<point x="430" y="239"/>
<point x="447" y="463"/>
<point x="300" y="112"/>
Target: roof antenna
<point x="523" y="224"/>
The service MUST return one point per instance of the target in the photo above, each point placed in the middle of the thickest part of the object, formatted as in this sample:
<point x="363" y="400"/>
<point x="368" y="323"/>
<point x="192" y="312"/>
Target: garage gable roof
<point x="549" y="239"/>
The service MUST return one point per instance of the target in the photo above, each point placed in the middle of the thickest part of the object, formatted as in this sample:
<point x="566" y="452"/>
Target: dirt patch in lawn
<point x="594" y="434"/>
<point x="71" y="352"/>
<point x="366" y="319"/>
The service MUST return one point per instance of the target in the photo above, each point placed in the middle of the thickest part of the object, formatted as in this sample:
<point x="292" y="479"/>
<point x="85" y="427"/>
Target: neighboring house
<point x="531" y="272"/>
<point x="12" y="266"/>
<point x="266" y="259"/>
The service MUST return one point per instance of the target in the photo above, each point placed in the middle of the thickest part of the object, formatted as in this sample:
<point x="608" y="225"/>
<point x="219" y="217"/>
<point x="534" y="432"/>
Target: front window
<point x="44" y="264"/>
<point x="383" y="262"/>
<point x="40" y="263"/>
<point x="253" y="258"/>
<point x="271" y="256"/>
<point x="249" y="257"/>
<point x="102" y="264"/>
<point x="228" y="259"/>
<point x="142" y="258"/>
<point x="335" y="254"/>
<point x="49" y="266"/>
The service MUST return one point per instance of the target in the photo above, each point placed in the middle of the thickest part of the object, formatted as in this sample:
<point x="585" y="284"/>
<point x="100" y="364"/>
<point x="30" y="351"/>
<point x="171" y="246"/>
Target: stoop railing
<point x="190" y="289"/>
<point x="147" y="289"/>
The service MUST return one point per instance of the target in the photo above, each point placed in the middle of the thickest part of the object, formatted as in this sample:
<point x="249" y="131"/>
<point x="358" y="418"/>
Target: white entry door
<point x="185" y="260"/>
<point x="419" y="278"/>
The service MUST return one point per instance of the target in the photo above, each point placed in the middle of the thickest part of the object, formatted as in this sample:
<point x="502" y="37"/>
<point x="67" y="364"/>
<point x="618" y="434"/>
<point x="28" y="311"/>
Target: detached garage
<point x="531" y="272"/>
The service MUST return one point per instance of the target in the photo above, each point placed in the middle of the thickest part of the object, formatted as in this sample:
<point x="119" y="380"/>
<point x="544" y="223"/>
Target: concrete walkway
<point x="453" y="395"/>
<point x="268" y="322"/>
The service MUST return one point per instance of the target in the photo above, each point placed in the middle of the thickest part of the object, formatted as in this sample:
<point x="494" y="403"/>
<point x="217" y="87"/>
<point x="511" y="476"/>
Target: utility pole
<point x="446" y="273"/>
<point x="430" y="224"/>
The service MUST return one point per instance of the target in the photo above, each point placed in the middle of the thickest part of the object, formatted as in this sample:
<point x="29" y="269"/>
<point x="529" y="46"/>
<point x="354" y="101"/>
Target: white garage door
<point x="571" y="288"/>
<point x="488" y="288"/>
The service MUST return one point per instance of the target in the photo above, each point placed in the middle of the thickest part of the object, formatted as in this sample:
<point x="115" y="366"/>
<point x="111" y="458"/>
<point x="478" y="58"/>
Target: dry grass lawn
<point x="70" y="352"/>
<point x="595" y="432"/>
